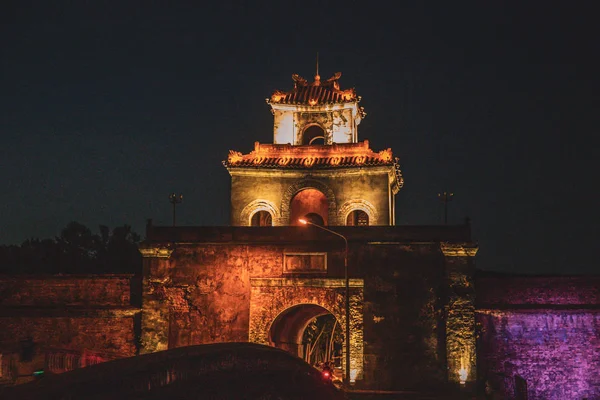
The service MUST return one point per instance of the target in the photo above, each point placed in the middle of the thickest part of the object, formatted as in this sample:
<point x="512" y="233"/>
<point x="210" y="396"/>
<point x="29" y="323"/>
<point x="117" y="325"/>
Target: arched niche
<point x="256" y="206"/>
<point x="311" y="204"/>
<point x="261" y="218"/>
<point x="292" y="190"/>
<point x="354" y="205"/>
<point x="313" y="134"/>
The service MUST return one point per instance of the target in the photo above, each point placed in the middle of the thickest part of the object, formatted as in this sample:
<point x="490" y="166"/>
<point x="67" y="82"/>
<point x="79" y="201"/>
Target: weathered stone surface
<point x="543" y="330"/>
<point x="111" y="335"/>
<point x="65" y="290"/>
<point x="495" y="290"/>
<point x="229" y="290"/>
<point x="65" y="318"/>
<point x="556" y="352"/>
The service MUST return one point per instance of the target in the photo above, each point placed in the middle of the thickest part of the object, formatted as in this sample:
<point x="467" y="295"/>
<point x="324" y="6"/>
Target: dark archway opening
<point x="261" y="218"/>
<point x="311" y="204"/>
<point x="314" y="134"/>
<point x="310" y="332"/>
<point x="357" y="218"/>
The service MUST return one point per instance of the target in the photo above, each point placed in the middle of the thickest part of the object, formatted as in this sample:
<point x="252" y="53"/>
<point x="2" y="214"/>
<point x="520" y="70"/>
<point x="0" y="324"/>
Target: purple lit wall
<point x="545" y="330"/>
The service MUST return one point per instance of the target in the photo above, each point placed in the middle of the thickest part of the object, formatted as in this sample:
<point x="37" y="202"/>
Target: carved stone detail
<point x="459" y="249"/>
<point x="156" y="252"/>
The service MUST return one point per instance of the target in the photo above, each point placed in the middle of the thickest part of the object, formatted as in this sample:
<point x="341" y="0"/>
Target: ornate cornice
<point x="306" y="282"/>
<point x="156" y="251"/>
<point x="309" y="156"/>
<point x="459" y="249"/>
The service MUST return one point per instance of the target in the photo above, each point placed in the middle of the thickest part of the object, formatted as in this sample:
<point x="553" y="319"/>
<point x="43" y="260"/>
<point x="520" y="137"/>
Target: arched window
<point x="357" y="218"/>
<point x="315" y="219"/>
<point x="261" y="218"/>
<point x="314" y="134"/>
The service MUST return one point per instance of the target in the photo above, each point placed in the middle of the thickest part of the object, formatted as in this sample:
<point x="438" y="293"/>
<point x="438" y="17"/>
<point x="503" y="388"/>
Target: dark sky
<point x="108" y="106"/>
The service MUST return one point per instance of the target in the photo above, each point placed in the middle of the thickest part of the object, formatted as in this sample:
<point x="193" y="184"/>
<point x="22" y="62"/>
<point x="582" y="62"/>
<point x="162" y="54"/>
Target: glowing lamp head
<point x="303" y="221"/>
<point x="462" y="375"/>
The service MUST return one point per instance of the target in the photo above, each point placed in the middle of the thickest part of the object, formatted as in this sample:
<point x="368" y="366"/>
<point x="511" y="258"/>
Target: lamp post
<point x="445" y="198"/>
<point x="347" y="305"/>
<point x="175" y="199"/>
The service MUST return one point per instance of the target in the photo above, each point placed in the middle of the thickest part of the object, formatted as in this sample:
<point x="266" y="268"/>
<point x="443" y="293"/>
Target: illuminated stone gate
<point x="264" y="278"/>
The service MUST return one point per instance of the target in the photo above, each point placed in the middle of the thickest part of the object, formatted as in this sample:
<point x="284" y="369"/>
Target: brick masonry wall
<point x="545" y="330"/>
<point x="66" y="290"/>
<point x="404" y="342"/>
<point x="556" y="290"/>
<point x="556" y="352"/>
<point x="110" y="335"/>
<point x="71" y="313"/>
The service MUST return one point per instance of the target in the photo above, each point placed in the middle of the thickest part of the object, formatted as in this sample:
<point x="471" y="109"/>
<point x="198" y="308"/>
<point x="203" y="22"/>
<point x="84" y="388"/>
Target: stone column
<point x="155" y="308"/>
<point x="356" y="335"/>
<point x="460" y="312"/>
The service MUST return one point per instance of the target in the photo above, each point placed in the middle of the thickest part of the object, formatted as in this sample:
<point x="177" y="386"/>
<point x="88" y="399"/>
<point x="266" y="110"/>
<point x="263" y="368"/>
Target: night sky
<point x="106" y="107"/>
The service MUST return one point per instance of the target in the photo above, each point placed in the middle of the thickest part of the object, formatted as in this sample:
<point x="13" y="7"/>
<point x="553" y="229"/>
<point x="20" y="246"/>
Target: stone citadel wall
<point x="544" y="330"/>
<point x="61" y="322"/>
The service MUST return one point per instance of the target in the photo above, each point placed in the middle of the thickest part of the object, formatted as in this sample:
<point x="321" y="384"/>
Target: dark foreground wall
<point x="213" y="371"/>
<point x="540" y="332"/>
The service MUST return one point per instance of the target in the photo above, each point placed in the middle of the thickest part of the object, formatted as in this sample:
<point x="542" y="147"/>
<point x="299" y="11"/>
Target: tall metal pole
<point x="445" y="197"/>
<point x="175" y="199"/>
<point x="347" y="295"/>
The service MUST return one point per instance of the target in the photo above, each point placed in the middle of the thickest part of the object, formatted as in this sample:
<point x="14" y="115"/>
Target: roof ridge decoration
<point x="316" y="93"/>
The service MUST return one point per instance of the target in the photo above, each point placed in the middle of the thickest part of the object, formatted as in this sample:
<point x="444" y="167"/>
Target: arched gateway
<point x="281" y="308"/>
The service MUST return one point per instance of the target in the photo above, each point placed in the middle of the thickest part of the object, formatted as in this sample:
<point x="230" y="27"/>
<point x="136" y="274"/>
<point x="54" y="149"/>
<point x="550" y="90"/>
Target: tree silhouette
<point x="76" y="251"/>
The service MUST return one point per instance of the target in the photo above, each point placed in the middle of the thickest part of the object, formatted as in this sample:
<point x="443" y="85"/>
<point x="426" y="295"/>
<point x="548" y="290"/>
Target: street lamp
<point x="347" y="306"/>
<point x="175" y="199"/>
<point x="445" y="198"/>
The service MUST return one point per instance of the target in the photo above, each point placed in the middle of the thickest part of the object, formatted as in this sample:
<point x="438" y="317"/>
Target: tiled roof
<point x="315" y="93"/>
<point x="286" y="156"/>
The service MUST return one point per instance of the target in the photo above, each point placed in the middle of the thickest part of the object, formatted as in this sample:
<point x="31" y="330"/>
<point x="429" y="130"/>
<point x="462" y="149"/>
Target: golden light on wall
<point x="312" y="102"/>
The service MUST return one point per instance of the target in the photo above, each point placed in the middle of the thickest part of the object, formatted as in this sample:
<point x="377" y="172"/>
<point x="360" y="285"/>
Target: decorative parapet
<point x="459" y="249"/>
<point x="156" y="252"/>
<point x="335" y="155"/>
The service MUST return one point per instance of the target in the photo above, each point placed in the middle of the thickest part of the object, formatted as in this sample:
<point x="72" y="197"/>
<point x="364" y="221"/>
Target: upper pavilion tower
<point x="316" y="167"/>
<point x="316" y="113"/>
